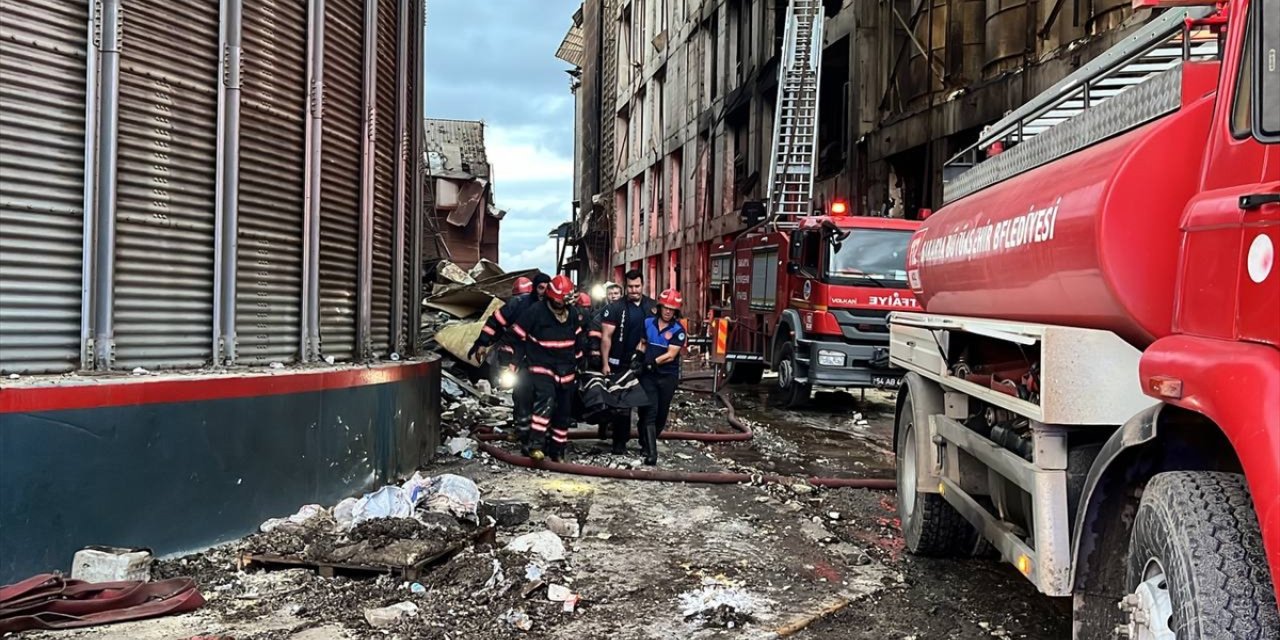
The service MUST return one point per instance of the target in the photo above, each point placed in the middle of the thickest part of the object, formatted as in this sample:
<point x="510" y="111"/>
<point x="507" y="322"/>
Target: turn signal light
<point x="839" y="208"/>
<point x="1024" y="564"/>
<point x="1165" y="387"/>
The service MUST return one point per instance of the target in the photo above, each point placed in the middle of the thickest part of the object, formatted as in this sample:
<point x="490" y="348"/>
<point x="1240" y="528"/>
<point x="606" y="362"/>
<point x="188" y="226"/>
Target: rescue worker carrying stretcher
<point x="493" y="333"/>
<point x="548" y="338"/>
<point x="658" y="360"/>
<point x="622" y="326"/>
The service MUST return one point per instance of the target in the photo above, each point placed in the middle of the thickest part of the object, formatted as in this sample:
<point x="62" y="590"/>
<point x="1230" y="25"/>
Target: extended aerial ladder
<point x="795" y="121"/>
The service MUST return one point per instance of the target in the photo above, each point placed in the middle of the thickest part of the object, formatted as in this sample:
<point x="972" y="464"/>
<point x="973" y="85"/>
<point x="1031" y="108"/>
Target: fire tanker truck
<point x="809" y="291"/>
<point x="1093" y="385"/>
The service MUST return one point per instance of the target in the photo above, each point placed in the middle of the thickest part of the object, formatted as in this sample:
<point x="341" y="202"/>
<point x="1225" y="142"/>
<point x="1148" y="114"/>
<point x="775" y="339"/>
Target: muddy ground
<point x="787" y="558"/>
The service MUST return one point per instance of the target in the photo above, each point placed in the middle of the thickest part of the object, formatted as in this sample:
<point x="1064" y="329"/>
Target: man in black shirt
<point x="622" y="329"/>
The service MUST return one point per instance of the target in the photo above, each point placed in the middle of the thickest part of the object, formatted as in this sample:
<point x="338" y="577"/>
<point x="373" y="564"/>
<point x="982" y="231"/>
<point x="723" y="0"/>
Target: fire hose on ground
<point x="742" y="433"/>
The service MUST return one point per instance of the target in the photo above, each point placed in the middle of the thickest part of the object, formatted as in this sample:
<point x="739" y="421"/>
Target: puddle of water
<point x="821" y="439"/>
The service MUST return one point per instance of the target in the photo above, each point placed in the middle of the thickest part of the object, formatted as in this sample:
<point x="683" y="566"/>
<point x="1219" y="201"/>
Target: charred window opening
<point x="833" y="109"/>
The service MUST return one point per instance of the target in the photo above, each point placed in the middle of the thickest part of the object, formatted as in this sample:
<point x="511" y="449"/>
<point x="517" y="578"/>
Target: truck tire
<point x="743" y="372"/>
<point x="791" y="394"/>
<point x="1196" y="565"/>
<point x="930" y="526"/>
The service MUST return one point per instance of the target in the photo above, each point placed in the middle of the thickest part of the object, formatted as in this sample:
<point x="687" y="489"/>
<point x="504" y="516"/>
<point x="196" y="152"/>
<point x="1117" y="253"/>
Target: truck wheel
<point x="930" y="526"/>
<point x="791" y="394"/>
<point x="743" y="372"/>
<point x="1196" y="568"/>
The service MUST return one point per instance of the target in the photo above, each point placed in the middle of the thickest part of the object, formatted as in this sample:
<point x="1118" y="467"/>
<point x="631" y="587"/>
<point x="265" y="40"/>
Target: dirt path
<point x="783" y="554"/>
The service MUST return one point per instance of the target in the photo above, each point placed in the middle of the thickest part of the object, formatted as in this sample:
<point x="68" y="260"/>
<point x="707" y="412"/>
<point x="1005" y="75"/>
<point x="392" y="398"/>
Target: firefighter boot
<point x="649" y="442"/>
<point x="536" y="445"/>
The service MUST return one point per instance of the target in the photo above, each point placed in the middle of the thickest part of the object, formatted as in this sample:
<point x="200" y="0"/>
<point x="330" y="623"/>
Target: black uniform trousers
<point x="661" y="389"/>
<point x="552" y="411"/>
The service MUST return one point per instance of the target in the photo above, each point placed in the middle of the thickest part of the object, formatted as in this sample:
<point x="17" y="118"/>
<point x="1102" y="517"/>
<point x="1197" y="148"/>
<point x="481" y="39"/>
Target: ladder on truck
<point x="1130" y="84"/>
<point x="795" y="121"/>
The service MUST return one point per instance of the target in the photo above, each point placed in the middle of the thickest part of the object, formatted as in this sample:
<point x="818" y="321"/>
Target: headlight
<point x="829" y="358"/>
<point x="507" y="379"/>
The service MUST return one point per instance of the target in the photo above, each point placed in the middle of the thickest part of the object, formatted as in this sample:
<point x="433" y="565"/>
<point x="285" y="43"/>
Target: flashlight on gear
<point x="507" y="379"/>
<point x="598" y="292"/>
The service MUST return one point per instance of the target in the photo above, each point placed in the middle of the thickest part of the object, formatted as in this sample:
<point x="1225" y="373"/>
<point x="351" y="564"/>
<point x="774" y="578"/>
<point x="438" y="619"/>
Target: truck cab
<point x="812" y="302"/>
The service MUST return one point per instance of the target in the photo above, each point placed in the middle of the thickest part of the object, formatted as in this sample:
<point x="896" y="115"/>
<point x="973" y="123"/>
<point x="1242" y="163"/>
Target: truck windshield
<point x="874" y="257"/>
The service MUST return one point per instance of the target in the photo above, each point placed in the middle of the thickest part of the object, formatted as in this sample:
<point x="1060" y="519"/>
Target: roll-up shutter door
<point x="42" y="114"/>
<point x="340" y="176"/>
<point x="273" y="106"/>
<point x="383" y="176"/>
<point x="165" y="203"/>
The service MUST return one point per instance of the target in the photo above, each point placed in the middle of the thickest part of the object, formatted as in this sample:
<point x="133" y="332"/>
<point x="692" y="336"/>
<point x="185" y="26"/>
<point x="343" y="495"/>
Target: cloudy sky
<point x="494" y="60"/>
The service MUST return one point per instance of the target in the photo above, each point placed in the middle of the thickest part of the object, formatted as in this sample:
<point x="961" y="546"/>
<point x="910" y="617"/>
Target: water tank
<point x="966" y="40"/>
<point x="1067" y="25"/>
<point x="1082" y="241"/>
<point x="1008" y="28"/>
<point x="931" y="32"/>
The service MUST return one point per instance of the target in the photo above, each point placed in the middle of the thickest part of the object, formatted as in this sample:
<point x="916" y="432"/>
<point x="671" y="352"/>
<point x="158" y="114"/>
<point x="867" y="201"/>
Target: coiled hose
<point x="741" y="433"/>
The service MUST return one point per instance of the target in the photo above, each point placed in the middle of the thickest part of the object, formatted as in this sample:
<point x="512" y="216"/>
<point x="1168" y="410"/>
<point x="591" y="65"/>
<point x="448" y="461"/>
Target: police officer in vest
<point x="622" y="329"/>
<point x="659" y="362"/>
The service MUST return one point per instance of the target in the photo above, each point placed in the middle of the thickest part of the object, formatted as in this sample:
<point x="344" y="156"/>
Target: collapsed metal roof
<point x="455" y="149"/>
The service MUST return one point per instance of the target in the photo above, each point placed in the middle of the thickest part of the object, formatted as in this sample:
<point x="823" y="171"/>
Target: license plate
<point x="886" y="382"/>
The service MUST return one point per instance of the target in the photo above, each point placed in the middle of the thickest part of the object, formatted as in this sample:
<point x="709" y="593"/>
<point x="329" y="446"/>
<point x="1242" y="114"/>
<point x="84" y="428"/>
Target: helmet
<point x="560" y="288"/>
<point x="671" y="298"/>
<point x="609" y="284"/>
<point x="584" y="300"/>
<point x="522" y="285"/>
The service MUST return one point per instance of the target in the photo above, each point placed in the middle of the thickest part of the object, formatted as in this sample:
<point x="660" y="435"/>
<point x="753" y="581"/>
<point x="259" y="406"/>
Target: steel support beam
<point x="227" y="187"/>
<point x="104" y="347"/>
<point x="88" y="237"/>
<point x="364" y="284"/>
<point x="310" y="326"/>
<point x="404" y="30"/>
<point x="415" y="183"/>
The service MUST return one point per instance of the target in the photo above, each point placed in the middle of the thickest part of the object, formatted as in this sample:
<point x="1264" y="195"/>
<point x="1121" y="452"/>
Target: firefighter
<point x="658" y="359"/>
<point x="548" y="338"/>
<point x="612" y="292"/>
<point x="622" y="327"/>
<point x="495" y="332"/>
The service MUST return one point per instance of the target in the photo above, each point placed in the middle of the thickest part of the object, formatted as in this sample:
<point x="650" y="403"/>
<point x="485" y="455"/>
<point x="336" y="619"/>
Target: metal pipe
<point x="87" y="238"/>
<point x="403" y="30"/>
<point x="310" y="329"/>
<point x="364" y="286"/>
<point x="105" y="228"/>
<point x="228" y="187"/>
<point x="415" y="182"/>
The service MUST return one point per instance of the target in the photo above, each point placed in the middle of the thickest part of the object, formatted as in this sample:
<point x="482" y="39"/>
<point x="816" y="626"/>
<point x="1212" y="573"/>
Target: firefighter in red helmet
<point x="522" y="285"/>
<point x="658" y="358"/>
<point x="549" y="338"/>
<point x="496" y="333"/>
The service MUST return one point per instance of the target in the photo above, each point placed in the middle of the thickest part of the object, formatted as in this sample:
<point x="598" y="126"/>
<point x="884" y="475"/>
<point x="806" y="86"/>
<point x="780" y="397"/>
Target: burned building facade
<point x="675" y="111"/>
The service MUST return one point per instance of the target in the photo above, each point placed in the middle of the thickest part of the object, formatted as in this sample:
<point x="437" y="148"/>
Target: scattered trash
<point x="111" y="564"/>
<point x="719" y="606"/>
<point x="802" y="489"/>
<point x="496" y="578"/>
<point x="461" y="446"/>
<point x="834" y="515"/>
<point x="304" y="514"/>
<point x="563" y="527"/>
<point x="544" y="543"/>
<point x="417" y="588"/>
<point x="42" y="602"/>
<point x="505" y="513"/>
<point x="388" y="502"/>
<point x="684" y="456"/>
<point x="533" y="572"/>
<point x="453" y="494"/>
<point x="330" y="359"/>
<point x="395" y="357"/>
<point x="344" y="513"/>
<point x="14" y="376"/>
<point x="517" y="619"/>
<point x="277" y="365"/>
<point x="140" y="371"/>
<point x="571" y="603"/>
<point x="387" y="616"/>
<point x="604" y="535"/>
<point x="558" y="593"/>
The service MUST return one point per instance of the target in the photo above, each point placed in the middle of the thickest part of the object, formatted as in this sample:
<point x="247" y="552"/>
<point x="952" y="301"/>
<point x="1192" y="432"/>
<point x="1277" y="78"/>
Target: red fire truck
<point x="812" y="302"/>
<point x="1093" y="387"/>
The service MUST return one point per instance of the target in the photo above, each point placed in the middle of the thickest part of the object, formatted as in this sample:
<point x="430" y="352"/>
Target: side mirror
<point x="793" y="267"/>
<point x="1265" y="100"/>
